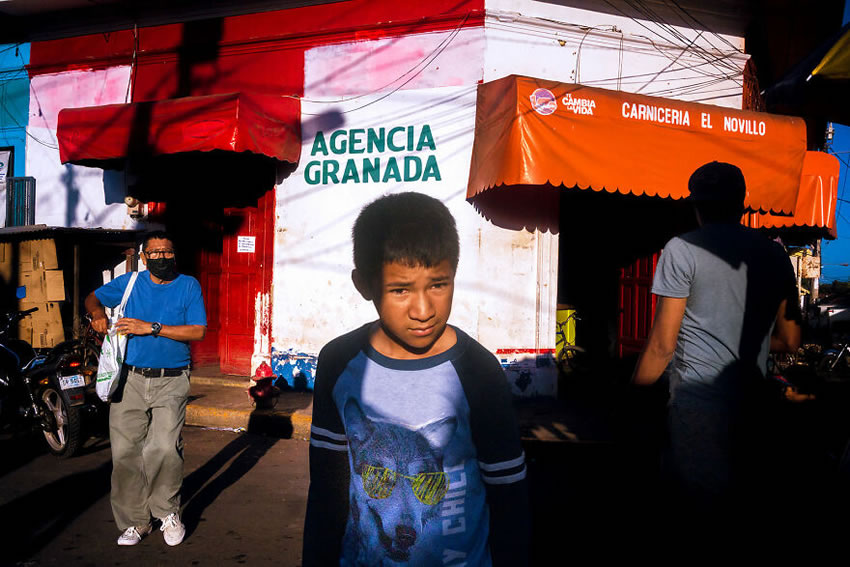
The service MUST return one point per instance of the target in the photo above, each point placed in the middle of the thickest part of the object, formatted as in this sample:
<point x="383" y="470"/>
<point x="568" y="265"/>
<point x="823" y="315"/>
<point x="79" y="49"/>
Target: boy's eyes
<point x="402" y="290"/>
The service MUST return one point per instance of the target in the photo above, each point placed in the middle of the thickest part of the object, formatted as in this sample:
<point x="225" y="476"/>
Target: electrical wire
<point x="699" y="23"/>
<point x="17" y="124"/>
<point x="677" y="37"/>
<point x="424" y="62"/>
<point x="641" y="7"/>
<point x="576" y="78"/>
<point x="670" y="64"/>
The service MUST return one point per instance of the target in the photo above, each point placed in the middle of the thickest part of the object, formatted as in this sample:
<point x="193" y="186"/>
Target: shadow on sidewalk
<point x="35" y="519"/>
<point x="200" y="489"/>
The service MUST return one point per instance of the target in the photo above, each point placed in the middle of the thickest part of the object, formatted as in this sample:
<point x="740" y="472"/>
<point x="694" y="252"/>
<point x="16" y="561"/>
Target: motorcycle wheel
<point x="63" y="429"/>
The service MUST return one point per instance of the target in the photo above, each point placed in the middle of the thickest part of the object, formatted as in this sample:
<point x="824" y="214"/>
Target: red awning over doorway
<point x="236" y="122"/>
<point x="536" y="132"/>
<point x="816" y="200"/>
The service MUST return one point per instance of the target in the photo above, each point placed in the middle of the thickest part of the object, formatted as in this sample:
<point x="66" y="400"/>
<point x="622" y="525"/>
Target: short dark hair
<point x="718" y="190"/>
<point x="409" y="228"/>
<point x="155" y="234"/>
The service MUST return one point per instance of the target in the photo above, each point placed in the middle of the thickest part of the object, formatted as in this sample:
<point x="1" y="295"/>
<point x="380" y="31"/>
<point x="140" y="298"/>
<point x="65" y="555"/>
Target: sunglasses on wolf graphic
<point x="428" y="487"/>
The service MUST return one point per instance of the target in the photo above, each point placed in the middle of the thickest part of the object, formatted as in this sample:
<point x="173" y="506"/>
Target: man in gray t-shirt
<point x="726" y="298"/>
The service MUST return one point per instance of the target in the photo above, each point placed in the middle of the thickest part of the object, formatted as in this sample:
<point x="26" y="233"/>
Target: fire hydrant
<point x="263" y="392"/>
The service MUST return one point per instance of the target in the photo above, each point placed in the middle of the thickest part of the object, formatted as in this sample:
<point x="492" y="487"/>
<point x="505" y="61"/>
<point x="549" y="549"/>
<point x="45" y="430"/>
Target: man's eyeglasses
<point x="157" y="254"/>
<point x="429" y="488"/>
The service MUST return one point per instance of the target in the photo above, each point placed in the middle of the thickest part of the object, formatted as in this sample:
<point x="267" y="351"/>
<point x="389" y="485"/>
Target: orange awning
<point x="237" y="122"/>
<point x="816" y="200"/>
<point x="537" y="132"/>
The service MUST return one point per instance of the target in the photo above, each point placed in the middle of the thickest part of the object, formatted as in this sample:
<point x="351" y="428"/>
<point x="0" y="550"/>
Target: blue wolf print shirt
<point x="414" y="462"/>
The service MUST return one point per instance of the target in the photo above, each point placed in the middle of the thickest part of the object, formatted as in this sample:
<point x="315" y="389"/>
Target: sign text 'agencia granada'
<point x="535" y="132"/>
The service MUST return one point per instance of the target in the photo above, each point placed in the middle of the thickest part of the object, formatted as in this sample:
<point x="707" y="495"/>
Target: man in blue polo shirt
<point x="164" y="312"/>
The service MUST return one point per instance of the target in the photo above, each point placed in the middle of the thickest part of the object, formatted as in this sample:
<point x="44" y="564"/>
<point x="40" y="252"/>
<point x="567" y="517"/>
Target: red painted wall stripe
<point x="297" y="28"/>
<point x="525" y="351"/>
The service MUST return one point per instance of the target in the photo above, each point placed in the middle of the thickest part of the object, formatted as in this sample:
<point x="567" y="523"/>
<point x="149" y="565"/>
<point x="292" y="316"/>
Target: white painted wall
<point x="69" y="195"/>
<point x="313" y="297"/>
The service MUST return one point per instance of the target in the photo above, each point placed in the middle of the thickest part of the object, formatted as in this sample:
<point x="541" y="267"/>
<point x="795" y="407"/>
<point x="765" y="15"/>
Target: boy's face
<point x="413" y="304"/>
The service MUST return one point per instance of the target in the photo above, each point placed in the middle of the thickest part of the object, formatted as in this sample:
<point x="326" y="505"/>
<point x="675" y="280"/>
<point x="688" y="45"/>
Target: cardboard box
<point x="54" y="285"/>
<point x="42" y="286"/>
<point x="25" y="256"/>
<point x="37" y="255"/>
<point x="34" y="284"/>
<point x="44" y="254"/>
<point x="47" y="328"/>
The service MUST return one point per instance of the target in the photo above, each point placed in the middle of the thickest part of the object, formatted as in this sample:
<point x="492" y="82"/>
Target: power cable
<point x="427" y="61"/>
<point x="424" y="61"/>
<point x="699" y="23"/>
<point x="699" y="52"/>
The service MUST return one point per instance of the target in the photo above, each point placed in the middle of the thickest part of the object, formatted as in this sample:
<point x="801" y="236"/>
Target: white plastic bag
<point x="113" y="350"/>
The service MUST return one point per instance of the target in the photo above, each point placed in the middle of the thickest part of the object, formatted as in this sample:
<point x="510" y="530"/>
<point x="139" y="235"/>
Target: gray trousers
<point x="145" y="425"/>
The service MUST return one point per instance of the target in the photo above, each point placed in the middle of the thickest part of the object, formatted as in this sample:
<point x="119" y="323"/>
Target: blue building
<point x="14" y="104"/>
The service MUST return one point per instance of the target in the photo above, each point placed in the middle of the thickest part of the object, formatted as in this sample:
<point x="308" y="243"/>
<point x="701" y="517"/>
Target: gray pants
<point x="145" y="425"/>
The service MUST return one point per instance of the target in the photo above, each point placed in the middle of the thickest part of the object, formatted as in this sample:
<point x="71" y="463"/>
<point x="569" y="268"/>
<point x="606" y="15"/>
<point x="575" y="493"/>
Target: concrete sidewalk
<point x="223" y="402"/>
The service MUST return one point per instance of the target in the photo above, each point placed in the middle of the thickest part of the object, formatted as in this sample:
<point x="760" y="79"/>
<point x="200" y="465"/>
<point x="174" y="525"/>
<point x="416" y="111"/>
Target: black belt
<point x="157" y="372"/>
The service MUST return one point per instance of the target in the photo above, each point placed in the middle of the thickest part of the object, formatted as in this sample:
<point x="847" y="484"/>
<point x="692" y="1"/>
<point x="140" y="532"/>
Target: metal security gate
<point x="20" y="201"/>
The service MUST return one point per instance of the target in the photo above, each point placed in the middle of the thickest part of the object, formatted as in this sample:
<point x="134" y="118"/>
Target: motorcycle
<point x="52" y="388"/>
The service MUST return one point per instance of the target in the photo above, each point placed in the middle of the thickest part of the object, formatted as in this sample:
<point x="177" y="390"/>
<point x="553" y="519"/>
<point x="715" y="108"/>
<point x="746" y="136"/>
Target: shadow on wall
<point x="73" y="194"/>
<point x="294" y="370"/>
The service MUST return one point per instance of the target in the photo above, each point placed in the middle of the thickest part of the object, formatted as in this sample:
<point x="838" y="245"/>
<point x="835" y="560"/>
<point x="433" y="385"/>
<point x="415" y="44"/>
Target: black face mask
<point x="163" y="268"/>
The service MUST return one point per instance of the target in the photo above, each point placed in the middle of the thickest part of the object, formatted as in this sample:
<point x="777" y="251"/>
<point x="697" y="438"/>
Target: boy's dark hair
<point x="408" y="228"/>
<point x="155" y="234"/>
<point x="717" y="191"/>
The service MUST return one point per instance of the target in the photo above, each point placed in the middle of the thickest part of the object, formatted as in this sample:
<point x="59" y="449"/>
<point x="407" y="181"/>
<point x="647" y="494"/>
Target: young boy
<point x="415" y="456"/>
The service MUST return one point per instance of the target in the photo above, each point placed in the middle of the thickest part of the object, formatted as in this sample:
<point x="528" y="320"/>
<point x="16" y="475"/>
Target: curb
<point x="243" y="383"/>
<point x="267" y="422"/>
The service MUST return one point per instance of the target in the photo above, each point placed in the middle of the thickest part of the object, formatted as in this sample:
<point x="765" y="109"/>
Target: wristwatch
<point x="156" y="328"/>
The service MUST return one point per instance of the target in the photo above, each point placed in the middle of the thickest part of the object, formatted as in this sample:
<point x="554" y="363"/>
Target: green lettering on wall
<point x="355" y="142"/>
<point x="376" y="141"/>
<point x="426" y="139"/>
<point x="431" y="169"/>
<point x="412" y="168"/>
<point x="329" y="171"/>
<point x="391" y="172"/>
<point x="319" y="145"/>
<point x="391" y="139"/>
<point x="339" y="142"/>
<point x="372" y="170"/>
<point x="313" y="172"/>
<point x="350" y="173"/>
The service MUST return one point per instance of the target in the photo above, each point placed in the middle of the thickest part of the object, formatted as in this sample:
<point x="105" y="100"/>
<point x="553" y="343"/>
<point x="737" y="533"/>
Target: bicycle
<point x="567" y="353"/>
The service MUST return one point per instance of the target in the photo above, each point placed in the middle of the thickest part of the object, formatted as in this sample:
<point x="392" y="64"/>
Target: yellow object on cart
<point x="565" y="330"/>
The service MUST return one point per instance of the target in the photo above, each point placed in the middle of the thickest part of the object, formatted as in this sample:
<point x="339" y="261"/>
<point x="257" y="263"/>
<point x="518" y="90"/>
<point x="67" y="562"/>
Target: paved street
<point x="244" y="498"/>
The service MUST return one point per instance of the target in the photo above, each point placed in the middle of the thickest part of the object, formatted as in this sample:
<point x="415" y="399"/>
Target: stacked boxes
<point x="43" y="286"/>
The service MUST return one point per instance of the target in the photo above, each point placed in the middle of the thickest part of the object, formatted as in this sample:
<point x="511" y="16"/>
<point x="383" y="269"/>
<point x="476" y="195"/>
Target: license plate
<point x="75" y="381"/>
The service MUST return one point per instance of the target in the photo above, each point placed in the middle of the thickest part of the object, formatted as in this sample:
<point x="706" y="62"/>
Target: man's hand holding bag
<point x="113" y="350"/>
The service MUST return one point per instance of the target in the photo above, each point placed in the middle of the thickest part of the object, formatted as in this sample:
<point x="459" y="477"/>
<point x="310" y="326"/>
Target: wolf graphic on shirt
<point x="396" y="486"/>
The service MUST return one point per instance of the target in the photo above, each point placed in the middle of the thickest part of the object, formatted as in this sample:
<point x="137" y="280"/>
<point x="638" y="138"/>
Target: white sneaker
<point x="173" y="530"/>
<point x="134" y="535"/>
